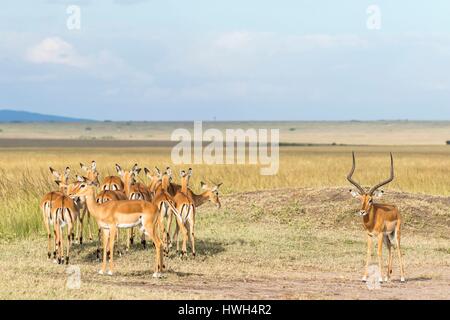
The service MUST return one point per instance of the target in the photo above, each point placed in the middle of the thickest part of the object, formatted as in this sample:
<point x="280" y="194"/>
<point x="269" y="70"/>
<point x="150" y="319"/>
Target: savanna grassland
<point x="294" y="235"/>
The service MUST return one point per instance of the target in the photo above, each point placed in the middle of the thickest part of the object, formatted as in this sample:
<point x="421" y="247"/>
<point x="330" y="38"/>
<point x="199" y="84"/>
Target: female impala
<point x="46" y="207"/>
<point x="91" y="175"/>
<point x="162" y="186"/>
<point x="105" y="196"/>
<point x="380" y="220"/>
<point x="113" y="183"/>
<point x="64" y="213"/>
<point x="134" y="191"/>
<point x="210" y="194"/>
<point x="124" y="214"/>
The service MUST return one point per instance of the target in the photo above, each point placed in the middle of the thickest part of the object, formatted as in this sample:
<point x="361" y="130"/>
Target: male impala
<point x="380" y="220"/>
<point x="124" y="214"/>
<point x="46" y="207"/>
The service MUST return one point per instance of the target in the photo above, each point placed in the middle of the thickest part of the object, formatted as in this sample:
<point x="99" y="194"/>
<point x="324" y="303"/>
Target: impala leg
<point x="400" y="258"/>
<point x="169" y="227"/>
<point x="49" y="238"/>
<point x="89" y="224"/>
<point x="380" y="255"/>
<point x="389" y="266"/>
<point x="77" y="227"/>
<point x="162" y="232"/>
<point x="143" y="241"/>
<point x="152" y="232"/>
<point x="119" y="251"/>
<point x="191" y="235"/>
<point x="175" y="237"/>
<point x="131" y="235"/>
<point x="80" y="229"/>
<point x="105" y="248"/>
<point x="69" y="241"/>
<point x="184" y="232"/>
<point x="55" y="244"/>
<point x="112" y="237"/>
<point x="99" y="242"/>
<point x="61" y="244"/>
<point x="368" y="258"/>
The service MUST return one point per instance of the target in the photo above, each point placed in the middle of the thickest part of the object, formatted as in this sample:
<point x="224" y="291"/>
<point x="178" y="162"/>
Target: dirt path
<point x="305" y="285"/>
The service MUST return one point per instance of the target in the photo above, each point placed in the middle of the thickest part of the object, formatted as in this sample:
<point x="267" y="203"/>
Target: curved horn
<point x="350" y="179"/>
<point x="385" y="181"/>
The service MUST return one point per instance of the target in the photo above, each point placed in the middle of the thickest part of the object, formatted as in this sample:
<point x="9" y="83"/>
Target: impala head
<point x="91" y="171"/>
<point x="128" y="177"/>
<point x="212" y="192"/>
<point x="81" y="189"/>
<point x="61" y="179"/>
<point x="185" y="177"/>
<point x="166" y="178"/>
<point x="367" y="197"/>
<point x="153" y="177"/>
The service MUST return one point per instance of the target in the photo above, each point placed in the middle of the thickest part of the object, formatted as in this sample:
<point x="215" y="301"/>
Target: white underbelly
<point x="128" y="225"/>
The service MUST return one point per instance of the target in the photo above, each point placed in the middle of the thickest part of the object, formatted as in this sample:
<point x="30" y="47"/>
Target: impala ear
<point x="135" y="167"/>
<point x="67" y="172"/>
<point x="136" y="172"/>
<point x="157" y="170"/>
<point x="378" y="194"/>
<point x="189" y="173"/>
<point x="83" y="167"/>
<point x="354" y="193"/>
<point x="169" y="171"/>
<point x="218" y="186"/>
<point x="203" y="185"/>
<point x="182" y="173"/>
<point x="119" y="170"/>
<point x="55" y="173"/>
<point x="147" y="173"/>
<point x="93" y="165"/>
<point x="80" y="178"/>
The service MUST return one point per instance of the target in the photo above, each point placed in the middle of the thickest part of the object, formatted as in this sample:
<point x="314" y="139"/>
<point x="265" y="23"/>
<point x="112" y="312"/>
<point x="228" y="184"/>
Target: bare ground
<point x="279" y="244"/>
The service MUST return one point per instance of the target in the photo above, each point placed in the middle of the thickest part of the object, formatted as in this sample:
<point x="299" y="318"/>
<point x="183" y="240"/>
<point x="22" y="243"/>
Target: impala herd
<point x="120" y="202"/>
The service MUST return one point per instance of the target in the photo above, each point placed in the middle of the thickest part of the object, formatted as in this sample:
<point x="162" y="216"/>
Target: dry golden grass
<point x="25" y="174"/>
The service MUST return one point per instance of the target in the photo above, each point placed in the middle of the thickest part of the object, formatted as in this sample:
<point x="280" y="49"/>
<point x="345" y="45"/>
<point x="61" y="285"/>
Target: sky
<point x="227" y="60"/>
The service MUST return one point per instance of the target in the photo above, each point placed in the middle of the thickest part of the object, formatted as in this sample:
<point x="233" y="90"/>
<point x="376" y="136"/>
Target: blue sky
<point x="229" y="60"/>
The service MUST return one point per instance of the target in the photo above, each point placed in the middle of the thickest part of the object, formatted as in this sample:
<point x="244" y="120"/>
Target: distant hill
<point x="25" y="116"/>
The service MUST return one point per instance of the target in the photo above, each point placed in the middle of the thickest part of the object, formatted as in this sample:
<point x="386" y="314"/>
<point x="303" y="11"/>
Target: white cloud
<point x="233" y="40"/>
<point x="54" y="50"/>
